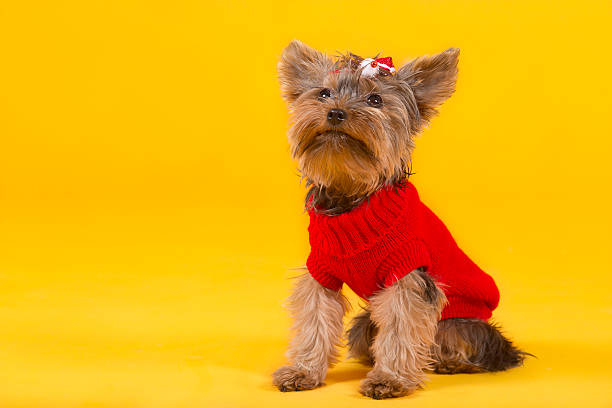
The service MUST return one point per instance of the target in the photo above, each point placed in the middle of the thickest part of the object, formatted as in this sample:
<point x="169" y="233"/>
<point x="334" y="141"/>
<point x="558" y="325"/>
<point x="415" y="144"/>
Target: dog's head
<point x="354" y="133"/>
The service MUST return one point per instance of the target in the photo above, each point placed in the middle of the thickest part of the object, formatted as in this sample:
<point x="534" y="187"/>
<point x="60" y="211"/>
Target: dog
<point x="354" y="121"/>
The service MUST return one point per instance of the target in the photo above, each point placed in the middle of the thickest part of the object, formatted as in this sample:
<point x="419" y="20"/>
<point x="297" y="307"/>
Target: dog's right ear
<point x="301" y="68"/>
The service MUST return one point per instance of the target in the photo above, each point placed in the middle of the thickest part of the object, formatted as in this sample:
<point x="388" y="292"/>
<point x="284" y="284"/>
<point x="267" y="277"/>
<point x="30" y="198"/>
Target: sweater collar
<point x="356" y="230"/>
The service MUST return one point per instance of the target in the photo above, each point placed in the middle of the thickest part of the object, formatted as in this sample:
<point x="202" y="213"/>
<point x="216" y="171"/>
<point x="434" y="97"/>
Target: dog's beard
<point x="339" y="161"/>
<point x="355" y="159"/>
<point x="341" y="142"/>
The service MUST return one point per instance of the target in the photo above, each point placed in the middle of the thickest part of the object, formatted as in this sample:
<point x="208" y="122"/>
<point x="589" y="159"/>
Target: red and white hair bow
<point x="371" y="67"/>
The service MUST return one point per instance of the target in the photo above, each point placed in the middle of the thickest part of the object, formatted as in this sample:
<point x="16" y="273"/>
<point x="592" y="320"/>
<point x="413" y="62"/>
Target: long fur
<point x="461" y="345"/>
<point x="406" y="316"/>
<point x="343" y="164"/>
<point x="346" y="163"/>
<point x="472" y="346"/>
<point x="317" y="315"/>
<point x="361" y="336"/>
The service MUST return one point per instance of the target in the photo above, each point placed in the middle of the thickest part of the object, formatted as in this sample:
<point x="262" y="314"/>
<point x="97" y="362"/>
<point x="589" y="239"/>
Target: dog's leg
<point x="472" y="346"/>
<point x="317" y="314"/>
<point x="361" y="337"/>
<point x="406" y="315"/>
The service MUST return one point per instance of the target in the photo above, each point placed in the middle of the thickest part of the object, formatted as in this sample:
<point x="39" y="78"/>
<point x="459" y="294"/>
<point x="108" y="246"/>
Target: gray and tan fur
<point x="317" y="314"/>
<point x="365" y="145"/>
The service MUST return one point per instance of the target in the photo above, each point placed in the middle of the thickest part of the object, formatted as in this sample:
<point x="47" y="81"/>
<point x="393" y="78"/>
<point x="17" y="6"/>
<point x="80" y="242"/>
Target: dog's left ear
<point x="432" y="80"/>
<point x="301" y="68"/>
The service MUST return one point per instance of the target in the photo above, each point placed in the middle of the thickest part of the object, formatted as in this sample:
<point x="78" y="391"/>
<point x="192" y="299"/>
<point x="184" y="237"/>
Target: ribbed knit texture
<point x="388" y="236"/>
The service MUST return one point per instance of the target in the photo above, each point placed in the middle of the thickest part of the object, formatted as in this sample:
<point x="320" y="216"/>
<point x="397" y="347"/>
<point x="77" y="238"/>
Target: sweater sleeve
<point x="410" y="256"/>
<point x="322" y="273"/>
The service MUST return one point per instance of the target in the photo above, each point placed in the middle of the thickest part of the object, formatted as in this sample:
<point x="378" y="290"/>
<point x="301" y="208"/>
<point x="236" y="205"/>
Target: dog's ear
<point x="432" y="80"/>
<point x="301" y="68"/>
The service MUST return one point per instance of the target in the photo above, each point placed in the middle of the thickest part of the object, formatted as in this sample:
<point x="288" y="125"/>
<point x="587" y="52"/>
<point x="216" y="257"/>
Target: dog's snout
<point x="336" y="116"/>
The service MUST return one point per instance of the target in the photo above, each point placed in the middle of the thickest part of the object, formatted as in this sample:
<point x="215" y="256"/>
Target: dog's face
<point x="352" y="133"/>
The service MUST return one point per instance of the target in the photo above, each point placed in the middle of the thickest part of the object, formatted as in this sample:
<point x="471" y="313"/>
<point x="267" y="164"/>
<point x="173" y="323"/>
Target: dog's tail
<point x="498" y="353"/>
<point x="473" y="345"/>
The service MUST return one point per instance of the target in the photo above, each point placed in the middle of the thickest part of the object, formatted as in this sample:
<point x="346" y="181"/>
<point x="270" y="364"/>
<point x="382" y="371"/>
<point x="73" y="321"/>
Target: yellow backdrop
<point x="150" y="212"/>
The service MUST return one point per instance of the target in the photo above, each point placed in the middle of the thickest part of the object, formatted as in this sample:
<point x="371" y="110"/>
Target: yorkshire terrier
<point x="354" y="122"/>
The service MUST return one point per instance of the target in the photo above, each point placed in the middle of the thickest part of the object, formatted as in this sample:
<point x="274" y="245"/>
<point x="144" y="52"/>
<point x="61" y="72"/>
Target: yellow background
<point x="150" y="212"/>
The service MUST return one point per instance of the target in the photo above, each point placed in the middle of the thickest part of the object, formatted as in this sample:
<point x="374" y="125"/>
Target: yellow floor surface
<point x="150" y="215"/>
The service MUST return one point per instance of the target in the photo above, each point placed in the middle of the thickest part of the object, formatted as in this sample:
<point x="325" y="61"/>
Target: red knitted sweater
<point x="387" y="237"/>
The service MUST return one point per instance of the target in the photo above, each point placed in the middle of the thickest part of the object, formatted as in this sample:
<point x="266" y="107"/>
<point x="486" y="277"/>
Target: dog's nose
<point x="336" y="116"/>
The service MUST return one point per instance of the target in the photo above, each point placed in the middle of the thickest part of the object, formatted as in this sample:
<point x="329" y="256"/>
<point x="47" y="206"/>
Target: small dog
<point x="354" y="124"/>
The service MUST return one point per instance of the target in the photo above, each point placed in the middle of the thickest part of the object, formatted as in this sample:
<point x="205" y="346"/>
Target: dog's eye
<point x="325" y="93"/>
<point x="375" y="100"/>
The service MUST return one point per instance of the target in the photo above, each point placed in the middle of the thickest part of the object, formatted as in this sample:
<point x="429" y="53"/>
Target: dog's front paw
<point x="380" y="385"/>
<point x="290" y="378"/>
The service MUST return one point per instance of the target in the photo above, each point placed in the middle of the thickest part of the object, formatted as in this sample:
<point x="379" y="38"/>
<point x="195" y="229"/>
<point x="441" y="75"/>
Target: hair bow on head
<point x="371" y="67"/>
